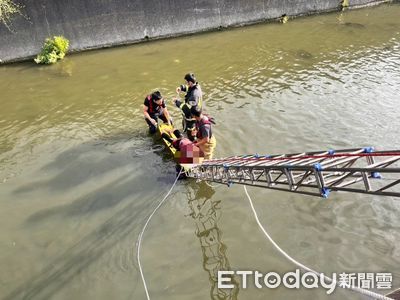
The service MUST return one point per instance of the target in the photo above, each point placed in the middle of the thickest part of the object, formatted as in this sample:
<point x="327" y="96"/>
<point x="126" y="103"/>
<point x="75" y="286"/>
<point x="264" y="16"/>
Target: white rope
<point x="139" y="243"/>
<point x="356" y="289"/>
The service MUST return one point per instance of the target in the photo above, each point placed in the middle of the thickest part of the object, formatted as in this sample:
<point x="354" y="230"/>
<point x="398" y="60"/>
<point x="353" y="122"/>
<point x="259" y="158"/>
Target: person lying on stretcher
<point x="189" y="153"/>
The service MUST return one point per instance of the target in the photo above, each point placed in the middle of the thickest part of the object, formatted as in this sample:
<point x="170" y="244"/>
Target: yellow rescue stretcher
<point x="168" y="129"/>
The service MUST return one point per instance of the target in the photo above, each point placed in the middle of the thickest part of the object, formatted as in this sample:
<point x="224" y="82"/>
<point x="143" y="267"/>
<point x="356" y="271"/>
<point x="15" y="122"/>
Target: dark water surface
<point x="79" y="174"/>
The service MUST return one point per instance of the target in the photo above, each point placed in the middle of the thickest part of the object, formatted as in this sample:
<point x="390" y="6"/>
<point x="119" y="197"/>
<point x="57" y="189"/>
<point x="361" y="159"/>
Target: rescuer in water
<point x="154" y="108"/>
<point x="193" y="98"/>
<point x="205" y="139"/>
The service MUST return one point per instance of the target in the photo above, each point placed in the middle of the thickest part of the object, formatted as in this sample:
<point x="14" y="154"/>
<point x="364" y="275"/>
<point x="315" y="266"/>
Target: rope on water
<point x="139" y="242"/>
<point x="356" y="289"/>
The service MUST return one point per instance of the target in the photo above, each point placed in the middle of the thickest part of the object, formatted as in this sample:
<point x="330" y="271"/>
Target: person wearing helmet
<point x="193" y="98"/>
<point x="205" y="139"/>
<point x="154" y="108"/>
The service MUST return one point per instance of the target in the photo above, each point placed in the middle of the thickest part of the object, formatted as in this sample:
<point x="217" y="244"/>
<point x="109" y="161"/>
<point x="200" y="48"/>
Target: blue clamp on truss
<point x="257" y="155"/>
<point x="331" y="151"/>
<point x="230" y="183"/>
<point x="325" y="192"/>
<point x="376" y="175"/>
<point x="318" y="167"/>
<point x="368" y="149"/>
<point x="225" y="167"/>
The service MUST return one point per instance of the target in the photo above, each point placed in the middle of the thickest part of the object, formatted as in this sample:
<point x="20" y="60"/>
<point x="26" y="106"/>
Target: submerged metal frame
<point x="318" y="173"/>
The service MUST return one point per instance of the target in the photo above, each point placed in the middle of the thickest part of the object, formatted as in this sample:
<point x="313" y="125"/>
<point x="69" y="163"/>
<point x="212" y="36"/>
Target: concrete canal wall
<point x="92" y="24"/>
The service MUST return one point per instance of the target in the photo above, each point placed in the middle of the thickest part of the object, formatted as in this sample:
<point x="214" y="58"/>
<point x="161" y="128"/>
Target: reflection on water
<point x="205" y="211"/>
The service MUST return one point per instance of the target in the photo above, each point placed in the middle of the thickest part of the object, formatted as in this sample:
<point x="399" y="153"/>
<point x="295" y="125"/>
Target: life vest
<point x="154" y="108"/>
<point x="203" y="121"/>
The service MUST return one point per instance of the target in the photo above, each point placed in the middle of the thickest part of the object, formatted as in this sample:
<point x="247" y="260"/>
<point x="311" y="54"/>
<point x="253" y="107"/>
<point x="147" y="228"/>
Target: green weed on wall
<point x="53" y="50"/>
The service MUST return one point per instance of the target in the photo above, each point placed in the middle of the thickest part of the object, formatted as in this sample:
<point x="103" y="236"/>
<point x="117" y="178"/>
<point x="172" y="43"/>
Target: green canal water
<point x="79" y="174"/>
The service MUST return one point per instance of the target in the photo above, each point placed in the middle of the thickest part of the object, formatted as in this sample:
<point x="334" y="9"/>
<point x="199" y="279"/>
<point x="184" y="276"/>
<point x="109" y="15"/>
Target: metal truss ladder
<point x="312" y="173"/>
